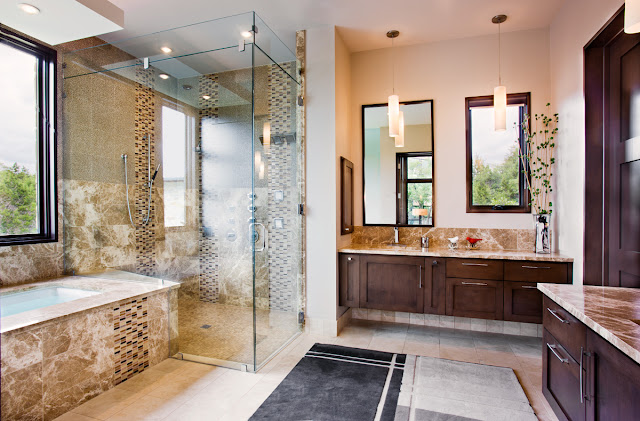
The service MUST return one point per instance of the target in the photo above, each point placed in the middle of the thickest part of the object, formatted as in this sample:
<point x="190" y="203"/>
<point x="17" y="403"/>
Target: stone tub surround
<point x="51" y="366"/>
<point x="492" y="238"/>
<point x="459" y="253"/>
<point x="608" y="311"/>
<point x="113" y="290"/>
<point x="450" y="322"/>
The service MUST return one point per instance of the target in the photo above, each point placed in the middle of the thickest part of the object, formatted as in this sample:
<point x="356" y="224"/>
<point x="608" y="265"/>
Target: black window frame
<point x="47" y="140"/>
<point x="402" y="186"/>
<point x="524" y="196"/>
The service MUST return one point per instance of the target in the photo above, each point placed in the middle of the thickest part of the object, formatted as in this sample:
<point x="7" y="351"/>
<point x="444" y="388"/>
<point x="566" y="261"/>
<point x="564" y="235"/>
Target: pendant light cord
<point x="499" y="55"/>
<point x="393" y="69"/>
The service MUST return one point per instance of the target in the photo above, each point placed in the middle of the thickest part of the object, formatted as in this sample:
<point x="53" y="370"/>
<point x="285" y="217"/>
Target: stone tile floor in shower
<point x="179" y="390"/>
<point x="226" y="332"/>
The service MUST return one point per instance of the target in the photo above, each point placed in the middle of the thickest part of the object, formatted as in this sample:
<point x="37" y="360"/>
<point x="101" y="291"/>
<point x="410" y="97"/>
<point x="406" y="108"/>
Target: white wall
<point x="320" y="102"/>
<point x="343" y="122"/>
<point x="572" y="28"/>
<point x="447" y="72"/>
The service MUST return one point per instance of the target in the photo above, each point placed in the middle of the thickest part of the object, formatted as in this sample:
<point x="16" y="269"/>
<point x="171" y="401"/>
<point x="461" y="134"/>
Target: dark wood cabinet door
<point x="522" y="302"/>
<point x="613" y="387"/>
<point x="561" y="380"/>
<point x="474" y="298"/>
<point x="434" y="285"/>
<point x="475" y="269"/>
<point x="346" y="196"/>
<point x="393" y="283"/>
<point x="545" y="272"/>
<point x="349" y="276"/>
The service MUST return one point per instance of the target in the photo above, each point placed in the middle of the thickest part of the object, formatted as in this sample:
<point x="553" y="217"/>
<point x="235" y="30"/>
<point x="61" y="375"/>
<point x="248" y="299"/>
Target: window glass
<point x="19" y="139"/>
<point x="419" y="203"/>
<point x="174" y="145"/>
<point x="419" y="167"/>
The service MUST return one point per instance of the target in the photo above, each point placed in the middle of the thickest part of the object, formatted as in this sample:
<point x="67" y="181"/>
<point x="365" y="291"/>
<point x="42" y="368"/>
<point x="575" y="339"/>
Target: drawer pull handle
<point x="556" y="316"/>
<point x="475" y="283"/>
<point x="475" y="264"/>
<point x="536" y="267"/>
<point x="529" y="287"/>
<point x="420" y="284"/>
<point x="553" y="349"/>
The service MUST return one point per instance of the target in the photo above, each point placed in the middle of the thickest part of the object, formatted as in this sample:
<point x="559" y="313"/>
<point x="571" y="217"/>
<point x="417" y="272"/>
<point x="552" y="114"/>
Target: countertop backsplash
<point x="492" y="238"/>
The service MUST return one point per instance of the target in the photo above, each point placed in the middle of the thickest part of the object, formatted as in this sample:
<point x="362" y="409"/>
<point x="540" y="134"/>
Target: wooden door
<point x="434" y="285"/>
<point x="346" y="196"/>
<point x="349" y="278"/>
<point x="612" y="157"/>
<point x="477" y="298"/>
<point x="522" y="302"/>
<point x="393" y="283"/>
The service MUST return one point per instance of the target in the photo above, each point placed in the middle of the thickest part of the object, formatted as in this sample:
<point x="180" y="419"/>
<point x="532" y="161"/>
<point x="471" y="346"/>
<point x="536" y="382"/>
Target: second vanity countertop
<point x="608" y="311"/>
<point x="459" y="253"/>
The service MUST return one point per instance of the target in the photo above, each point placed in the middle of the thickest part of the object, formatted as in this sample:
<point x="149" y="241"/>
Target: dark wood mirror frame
<point x="433" y="168"/>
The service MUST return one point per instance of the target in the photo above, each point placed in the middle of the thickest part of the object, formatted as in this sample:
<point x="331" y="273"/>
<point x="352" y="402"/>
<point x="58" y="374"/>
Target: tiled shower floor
<point x="225" y="332"/>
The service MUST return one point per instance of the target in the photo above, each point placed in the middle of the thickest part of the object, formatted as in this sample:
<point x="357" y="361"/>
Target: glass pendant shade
<point x="400" y="137"/>
<point x="500" y="108"/>
<point x="266" y="134"/>
<point x="632" y="16"/>
<point x="394" y="115"/>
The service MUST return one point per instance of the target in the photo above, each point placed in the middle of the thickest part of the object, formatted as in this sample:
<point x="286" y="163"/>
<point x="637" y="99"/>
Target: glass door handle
<point x="265" y="234"/>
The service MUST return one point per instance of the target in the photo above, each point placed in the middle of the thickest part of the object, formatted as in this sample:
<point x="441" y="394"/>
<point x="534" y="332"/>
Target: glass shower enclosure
<point x="183" y="162"/>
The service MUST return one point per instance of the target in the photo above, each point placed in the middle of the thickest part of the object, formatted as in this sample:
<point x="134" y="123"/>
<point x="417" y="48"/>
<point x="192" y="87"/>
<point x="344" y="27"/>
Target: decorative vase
<point x="543" y="233"/>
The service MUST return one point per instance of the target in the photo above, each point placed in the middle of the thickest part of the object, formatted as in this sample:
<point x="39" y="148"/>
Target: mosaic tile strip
<point x="144" y="128"/>
<point x="301" y="52"/>
<point x="209" y="288"/>
<point x="131" y="335"/>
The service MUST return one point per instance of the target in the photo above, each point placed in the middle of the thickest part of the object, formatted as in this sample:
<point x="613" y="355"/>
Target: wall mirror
<point x="398" y="180"/>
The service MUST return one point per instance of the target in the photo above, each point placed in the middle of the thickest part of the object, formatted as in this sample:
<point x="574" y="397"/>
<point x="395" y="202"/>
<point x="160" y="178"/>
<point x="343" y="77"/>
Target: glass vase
<point x="543" y="233"/>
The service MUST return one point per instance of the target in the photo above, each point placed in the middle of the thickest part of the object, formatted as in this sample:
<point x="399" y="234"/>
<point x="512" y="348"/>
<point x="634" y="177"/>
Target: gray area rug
<point x="435" y="389"/>
<point x="332" y="383"/>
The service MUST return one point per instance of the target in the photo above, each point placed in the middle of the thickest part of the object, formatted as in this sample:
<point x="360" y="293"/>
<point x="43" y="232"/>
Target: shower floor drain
<point x="205" y="326"/>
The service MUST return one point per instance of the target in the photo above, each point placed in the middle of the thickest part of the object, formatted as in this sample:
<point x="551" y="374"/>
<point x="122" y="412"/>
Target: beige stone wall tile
<point x="21" y="393"/>
<point x="20" y="350"/>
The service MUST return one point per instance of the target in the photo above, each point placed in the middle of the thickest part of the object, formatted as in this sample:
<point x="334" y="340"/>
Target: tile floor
<point x="179" y="390"/>
<point x="225" y="332"/>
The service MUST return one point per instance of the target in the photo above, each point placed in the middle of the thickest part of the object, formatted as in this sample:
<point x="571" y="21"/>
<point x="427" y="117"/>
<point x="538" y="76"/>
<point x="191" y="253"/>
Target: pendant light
<point x="500" y="92"/>
<point x="632" y="16"/>
<point x="394" y="101"/>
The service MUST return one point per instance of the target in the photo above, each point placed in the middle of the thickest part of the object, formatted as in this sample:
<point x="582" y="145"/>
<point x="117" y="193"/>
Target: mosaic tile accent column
<point x="131" y="334"/>
<point x="281" y="179"/>
<point x="144" y="127"/>
<point x="209" y="288"/>
<point x="301" y="145"/>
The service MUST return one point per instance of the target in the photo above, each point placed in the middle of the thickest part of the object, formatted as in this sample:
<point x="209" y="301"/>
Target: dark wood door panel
<point x="434" y="290"/>
<point x="349" y="278"/>
<point x="475" y="269"/>
<point x="522" y="302"/>
<point x="561" y="380"/>
<point x="546" y="272"/>
<point x="482" y="299"/>
<point x="393" y="283"/>
<point x="614" y="382"/>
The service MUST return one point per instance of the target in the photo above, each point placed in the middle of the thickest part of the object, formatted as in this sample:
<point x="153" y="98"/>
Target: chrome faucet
<point x="396" y="235"/>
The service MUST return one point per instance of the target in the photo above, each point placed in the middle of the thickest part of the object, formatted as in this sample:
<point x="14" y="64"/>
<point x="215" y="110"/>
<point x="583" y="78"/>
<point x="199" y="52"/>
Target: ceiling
<point x="362" y="23"/>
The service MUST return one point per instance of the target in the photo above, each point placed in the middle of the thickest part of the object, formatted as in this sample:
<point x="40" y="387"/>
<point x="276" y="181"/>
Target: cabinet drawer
<point x="561" y="380"/>
<point x="536" y="272"/>
<point x="522" y="302"/>
<point x="474" y="298"/>
<point x="474" y="269"/>
<point x="568" y="330"/>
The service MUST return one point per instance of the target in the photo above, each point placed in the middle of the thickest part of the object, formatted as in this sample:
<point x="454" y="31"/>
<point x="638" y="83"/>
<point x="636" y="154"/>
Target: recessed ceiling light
<point x="206" y="97"/>
<point x="246" y="34"/>
<point x="166" y="50"/>
<point x="29" y="9"/>
<point x="163" y="76"/>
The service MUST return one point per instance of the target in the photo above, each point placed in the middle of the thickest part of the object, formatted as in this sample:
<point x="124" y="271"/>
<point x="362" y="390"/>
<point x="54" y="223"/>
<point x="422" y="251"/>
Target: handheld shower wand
<point x="151" y="179"/>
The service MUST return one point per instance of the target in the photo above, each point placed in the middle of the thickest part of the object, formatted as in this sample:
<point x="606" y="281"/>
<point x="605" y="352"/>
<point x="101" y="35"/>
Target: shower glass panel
<point x="183" y="162"/>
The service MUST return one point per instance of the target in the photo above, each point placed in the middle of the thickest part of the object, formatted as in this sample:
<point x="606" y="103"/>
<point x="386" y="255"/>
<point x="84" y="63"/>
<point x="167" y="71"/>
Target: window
<point x="176" y="131"/>
<point x="495" y="181"/>
<point x="28" y="210"/>
<point x="415" y="188"/>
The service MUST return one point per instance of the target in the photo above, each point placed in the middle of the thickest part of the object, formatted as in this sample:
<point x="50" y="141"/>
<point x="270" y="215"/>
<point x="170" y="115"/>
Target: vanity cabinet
<point x="584" y="377"/>
<point x="477" y="298"/>
<point x="522" y="302"/>
<point x="393" y="283"/>
<point x="434" y="286"/>
<point x="349" y="277"/>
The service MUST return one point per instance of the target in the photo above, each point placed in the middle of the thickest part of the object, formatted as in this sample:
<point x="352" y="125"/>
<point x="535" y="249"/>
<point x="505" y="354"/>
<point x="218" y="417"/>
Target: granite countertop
<point x="113" y="285"/>
<point x="459" y="253"/>
<point x="608" y="311"/>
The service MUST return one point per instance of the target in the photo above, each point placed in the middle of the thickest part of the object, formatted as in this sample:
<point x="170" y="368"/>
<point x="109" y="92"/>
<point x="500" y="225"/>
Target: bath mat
<point x="333" y="383"/>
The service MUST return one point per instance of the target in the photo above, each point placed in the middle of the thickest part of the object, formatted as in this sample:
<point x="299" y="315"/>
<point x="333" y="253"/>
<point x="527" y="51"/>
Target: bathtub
<point x="19" y="302"/>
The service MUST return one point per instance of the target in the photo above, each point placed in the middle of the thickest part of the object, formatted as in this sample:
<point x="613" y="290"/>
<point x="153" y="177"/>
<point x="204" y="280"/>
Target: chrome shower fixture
<point x="149" y="184"/>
